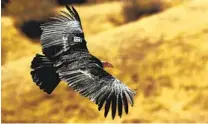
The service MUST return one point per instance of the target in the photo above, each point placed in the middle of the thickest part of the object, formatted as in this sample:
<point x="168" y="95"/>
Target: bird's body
<point x="67" y="58"/>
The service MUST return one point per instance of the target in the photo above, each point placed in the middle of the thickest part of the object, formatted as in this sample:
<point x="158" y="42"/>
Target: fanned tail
<point x="44" y="74"/>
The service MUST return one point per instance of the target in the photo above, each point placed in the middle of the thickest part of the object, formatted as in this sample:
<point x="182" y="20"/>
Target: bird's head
<point x="107" y="64"/>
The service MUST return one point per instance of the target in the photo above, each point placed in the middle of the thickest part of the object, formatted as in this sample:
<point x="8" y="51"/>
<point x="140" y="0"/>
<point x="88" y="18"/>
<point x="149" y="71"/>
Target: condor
<point x="67" y="58"/>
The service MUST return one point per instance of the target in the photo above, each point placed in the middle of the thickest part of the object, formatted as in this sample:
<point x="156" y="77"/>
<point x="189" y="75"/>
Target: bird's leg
<point x="107" y="64"/>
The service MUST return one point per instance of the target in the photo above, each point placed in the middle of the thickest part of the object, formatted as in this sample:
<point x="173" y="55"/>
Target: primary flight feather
<point x="67" y="58"/>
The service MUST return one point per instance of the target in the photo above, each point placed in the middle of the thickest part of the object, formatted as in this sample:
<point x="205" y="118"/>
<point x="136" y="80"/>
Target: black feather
<point x="70" y="10"/>
<point x="119" y="102"/>
<point x="107" y="106"/>
<point x="77" y="15"/>
<point x="125" y="102"/>
<point x="100" y="105"/>
<point x="68" y="15"/>
<point x="102" y="98"/>
<point x="114" y="102"/>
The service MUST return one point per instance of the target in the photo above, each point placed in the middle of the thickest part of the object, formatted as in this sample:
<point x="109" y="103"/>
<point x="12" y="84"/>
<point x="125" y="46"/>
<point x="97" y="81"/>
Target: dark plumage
<point x="4" y="3"/>
<point x="67" y="58"/>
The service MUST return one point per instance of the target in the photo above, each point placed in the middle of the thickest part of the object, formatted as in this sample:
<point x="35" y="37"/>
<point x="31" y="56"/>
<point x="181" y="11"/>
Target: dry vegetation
<point x="14" y="44"/>
<point x="23" y="10"/>
<point x="163" y="57"/>
<point x="135" y="9"/>
<point x="93" y="21"/>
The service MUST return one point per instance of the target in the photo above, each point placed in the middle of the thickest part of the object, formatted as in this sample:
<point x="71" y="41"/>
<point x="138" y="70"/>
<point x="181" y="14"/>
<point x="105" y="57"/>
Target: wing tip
<point x="123" y="98"/>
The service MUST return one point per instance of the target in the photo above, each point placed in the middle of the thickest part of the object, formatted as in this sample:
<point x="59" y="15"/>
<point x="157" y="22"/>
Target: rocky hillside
<point x="163" y="57"/>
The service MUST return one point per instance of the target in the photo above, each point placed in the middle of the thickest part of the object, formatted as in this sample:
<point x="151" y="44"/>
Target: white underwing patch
<point x="86" y="73"/>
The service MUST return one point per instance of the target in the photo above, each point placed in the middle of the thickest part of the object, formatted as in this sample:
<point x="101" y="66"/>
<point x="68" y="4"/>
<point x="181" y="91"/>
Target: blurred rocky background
<point x="158" y="47"/>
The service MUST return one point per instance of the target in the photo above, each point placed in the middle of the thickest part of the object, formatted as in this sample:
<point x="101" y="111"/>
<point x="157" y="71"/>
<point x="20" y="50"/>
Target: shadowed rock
<point x="32" y="28"/>
<point x="68" y="2"/>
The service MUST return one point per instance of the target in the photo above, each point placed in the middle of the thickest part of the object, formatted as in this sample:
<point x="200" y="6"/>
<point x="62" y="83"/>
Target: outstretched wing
<point x="62" y="32"/>
<point x="87" y="77"/>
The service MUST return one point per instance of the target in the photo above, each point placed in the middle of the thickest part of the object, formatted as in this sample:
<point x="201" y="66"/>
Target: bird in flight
<point x="67" y="58"/>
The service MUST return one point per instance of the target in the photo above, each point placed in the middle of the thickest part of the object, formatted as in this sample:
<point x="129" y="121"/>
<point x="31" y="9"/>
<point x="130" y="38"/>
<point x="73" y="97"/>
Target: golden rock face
<point x="163" y="57"/>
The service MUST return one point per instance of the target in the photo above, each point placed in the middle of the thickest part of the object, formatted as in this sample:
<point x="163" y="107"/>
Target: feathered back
<point x="62" y="32"/>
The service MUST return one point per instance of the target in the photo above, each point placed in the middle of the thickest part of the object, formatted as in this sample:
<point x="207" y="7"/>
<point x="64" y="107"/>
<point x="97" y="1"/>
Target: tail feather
<point x="44" y="74"/>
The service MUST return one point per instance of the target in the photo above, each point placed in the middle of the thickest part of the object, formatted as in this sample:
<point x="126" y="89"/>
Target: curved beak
<point x="107" y="64"/>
